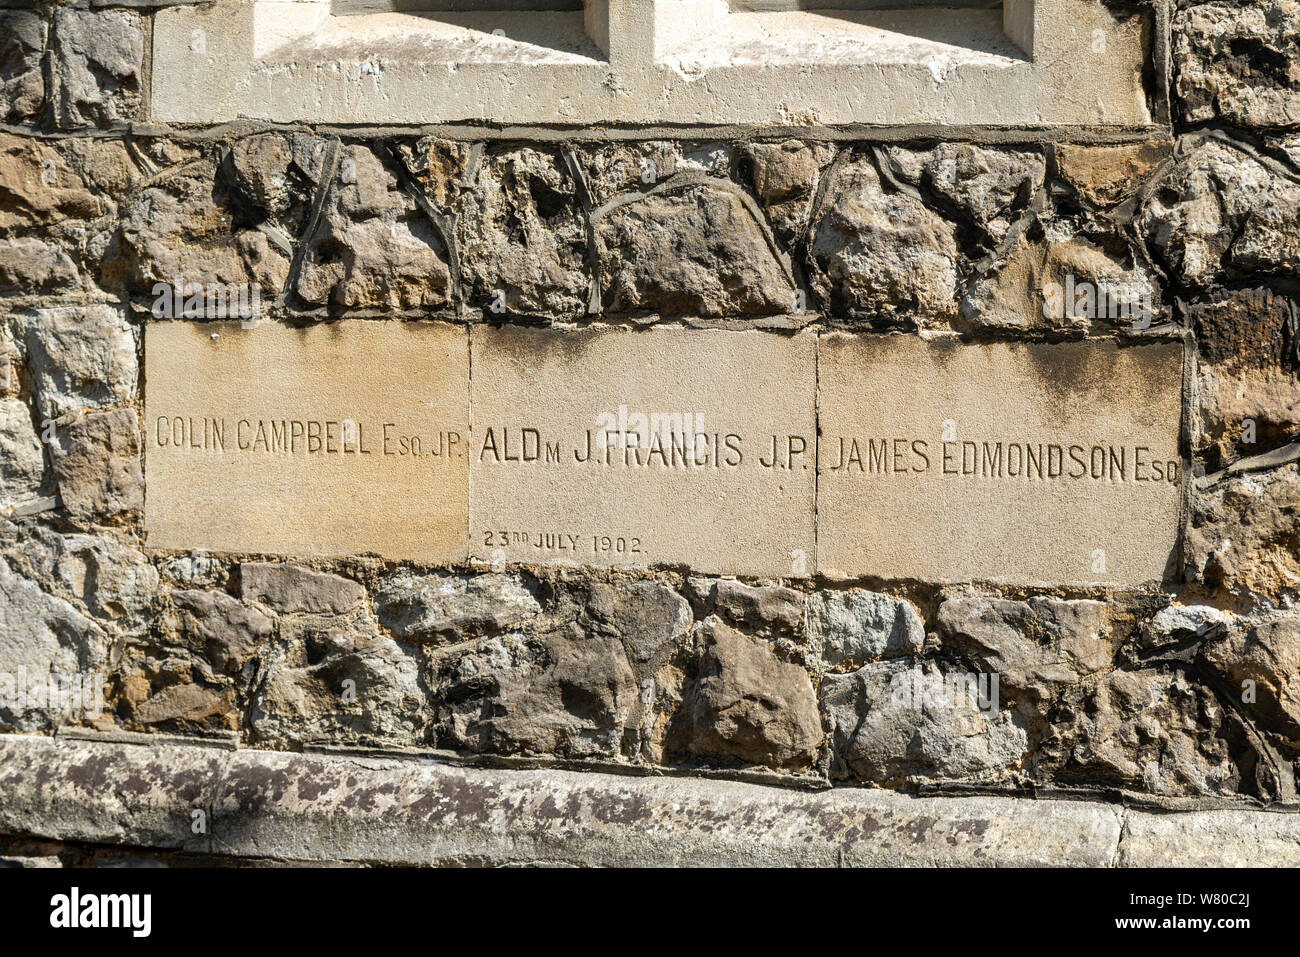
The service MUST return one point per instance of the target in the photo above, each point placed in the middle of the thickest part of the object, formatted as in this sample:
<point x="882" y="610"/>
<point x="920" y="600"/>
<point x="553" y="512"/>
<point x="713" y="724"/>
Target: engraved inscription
<point x="1006" y="463"/>
<point x="753" y="453"/>
<point x="351" y="435"/>
<point x="331" y="440"/>
<point x="1003" y="459"/>
<point x="618" y="448"/>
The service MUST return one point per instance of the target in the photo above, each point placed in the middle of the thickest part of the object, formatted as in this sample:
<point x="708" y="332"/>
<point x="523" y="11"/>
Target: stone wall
<point x="1186" y="688"/>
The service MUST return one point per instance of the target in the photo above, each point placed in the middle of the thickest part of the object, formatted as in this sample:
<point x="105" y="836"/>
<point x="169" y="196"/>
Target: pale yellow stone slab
<point x="644" y="494"/>
<point x="1077" y="492"/>
<point x="248" y="446"/>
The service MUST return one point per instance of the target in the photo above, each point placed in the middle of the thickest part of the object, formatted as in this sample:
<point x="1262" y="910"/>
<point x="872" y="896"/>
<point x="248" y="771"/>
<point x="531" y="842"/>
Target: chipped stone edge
<point x="314" y="809"/>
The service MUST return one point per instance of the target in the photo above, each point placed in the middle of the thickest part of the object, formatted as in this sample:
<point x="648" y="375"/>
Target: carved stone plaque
<point x="1030" y="464"/>
<point x="336" y="439"/>
<point x="613" y="447"/>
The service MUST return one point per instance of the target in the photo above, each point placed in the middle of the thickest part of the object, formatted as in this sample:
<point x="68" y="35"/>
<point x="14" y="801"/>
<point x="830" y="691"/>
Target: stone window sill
<point x="623" y="62"/>
<point x="527" y="38"/>
<point x="835" y="38"/>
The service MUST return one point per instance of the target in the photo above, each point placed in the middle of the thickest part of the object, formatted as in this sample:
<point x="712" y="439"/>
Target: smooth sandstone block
<point x="1020" y="464"/>
<point x="336" y="439"/>
<point x="613" y="447"/>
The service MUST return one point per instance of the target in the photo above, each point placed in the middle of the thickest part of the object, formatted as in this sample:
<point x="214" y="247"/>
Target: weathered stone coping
<point x="318" y="808"/>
